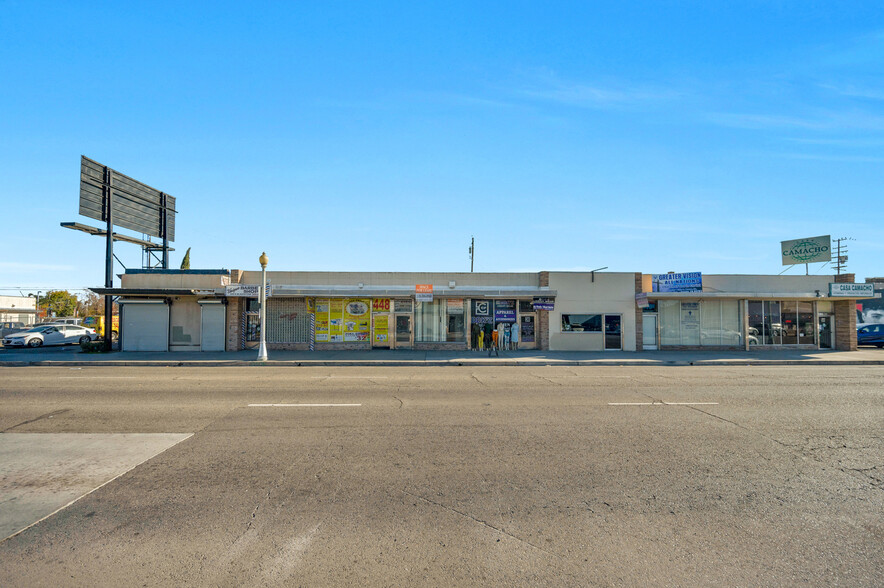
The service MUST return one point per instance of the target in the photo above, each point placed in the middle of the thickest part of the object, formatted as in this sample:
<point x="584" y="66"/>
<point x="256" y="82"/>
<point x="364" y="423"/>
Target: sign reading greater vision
<point x="809" y="250"/>
<point x="684" y="282"/>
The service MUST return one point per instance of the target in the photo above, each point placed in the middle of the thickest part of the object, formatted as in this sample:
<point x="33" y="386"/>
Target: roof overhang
<point x="153" y="292"/>
<point x="408" y="291"/>
<point x="747" y="296"/>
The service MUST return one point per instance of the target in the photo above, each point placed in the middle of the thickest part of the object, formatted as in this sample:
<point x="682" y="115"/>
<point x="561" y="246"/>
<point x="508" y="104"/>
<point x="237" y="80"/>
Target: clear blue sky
<point x="682" y="136"/>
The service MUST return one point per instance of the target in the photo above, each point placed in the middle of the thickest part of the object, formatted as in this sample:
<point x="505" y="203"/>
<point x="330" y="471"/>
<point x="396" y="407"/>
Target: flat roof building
<point x="215" y="310"/>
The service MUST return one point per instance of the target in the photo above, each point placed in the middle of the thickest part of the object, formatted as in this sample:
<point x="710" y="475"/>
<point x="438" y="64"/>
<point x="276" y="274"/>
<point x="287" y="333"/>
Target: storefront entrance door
<point x="380" y="330"/>
<point x="403" y="331"/>
<point x="612" y="331"/>
<point x="649" y="331"/>
<point x="825" y="331"/>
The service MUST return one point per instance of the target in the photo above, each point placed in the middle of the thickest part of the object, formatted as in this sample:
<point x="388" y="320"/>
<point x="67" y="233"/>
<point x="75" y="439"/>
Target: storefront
<point x="746" y="312"/>
<point x="210" y="310"/>
<point x="340" y="311"/>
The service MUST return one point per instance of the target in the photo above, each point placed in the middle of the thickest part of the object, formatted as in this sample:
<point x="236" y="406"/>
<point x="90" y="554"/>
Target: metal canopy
<point x="116" y="236"/>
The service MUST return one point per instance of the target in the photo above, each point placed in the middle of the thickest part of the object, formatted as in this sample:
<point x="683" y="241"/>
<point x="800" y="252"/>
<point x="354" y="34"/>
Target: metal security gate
<point x="145" y="325"/>
<point x="287" y="320"/>
<point x="212" y="315"/>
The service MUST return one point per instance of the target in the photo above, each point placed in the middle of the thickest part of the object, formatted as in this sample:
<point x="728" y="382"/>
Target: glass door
<point x="403" y="331"/>
<point x="825" y="331"/>
<point x="612" y="331"/>
<point x="380" y="330"/>
<point x="649" y="331"/>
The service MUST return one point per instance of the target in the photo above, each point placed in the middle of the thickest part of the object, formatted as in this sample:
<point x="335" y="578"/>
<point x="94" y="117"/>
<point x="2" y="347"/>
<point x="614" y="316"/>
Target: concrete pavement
<point x="72" y="356"/>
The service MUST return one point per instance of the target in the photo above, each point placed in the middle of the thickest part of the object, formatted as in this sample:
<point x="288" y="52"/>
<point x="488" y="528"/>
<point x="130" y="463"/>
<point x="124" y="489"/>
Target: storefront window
<point x="582" y="323"/>
<point x="456" y="320"/>
<point x="440" y="321"/>
<point x="774" y="322"/>
<point x="806" y="330"/>
<point x="708" y="323"/>
<point x="790" y="322"/>
<point x="670" y="317"/>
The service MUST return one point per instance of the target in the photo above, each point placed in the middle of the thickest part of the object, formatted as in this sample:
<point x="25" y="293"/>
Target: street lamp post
<point x="262" y="346"/>
<point x="37" y="304"/>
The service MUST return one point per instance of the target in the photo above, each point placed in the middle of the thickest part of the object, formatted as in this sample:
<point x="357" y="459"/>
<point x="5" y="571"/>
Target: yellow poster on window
<point x="336" y="320"/>
<point x="357" y="319"/>
<point x="321" y="310"/>
<point x="381" y="329"/>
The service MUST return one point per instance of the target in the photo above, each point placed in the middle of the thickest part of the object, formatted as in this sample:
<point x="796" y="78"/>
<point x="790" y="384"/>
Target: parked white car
<point x="50" y="335"/>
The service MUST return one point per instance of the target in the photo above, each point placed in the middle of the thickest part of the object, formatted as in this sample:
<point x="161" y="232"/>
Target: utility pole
<point x="472" y="251"/>
<point x="841" y="262"/>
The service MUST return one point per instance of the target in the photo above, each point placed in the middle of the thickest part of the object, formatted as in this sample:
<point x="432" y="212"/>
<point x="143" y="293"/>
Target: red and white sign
<point x="424" y="288"/>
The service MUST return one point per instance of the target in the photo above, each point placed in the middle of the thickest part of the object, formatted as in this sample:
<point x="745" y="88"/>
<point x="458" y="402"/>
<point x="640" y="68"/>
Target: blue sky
<point x="653" y="137"/>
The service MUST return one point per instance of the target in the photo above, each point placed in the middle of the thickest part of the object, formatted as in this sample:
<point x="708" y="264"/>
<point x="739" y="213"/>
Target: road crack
<point x="483" y="523"/>
<point x="48" y="415"/>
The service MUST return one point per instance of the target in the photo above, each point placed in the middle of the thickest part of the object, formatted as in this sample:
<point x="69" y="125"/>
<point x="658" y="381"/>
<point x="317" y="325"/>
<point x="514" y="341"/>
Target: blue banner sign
<point x="504" y="311"/>
<point x="544" y="303"/>
<point x="686" y="282"/>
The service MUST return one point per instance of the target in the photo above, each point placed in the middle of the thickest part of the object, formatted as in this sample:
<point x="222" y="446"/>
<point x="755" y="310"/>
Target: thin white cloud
<point x="827" y="157"/>
<point x="830" y="121"/>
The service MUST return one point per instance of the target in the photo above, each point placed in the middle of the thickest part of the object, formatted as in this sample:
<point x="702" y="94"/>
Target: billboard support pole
<point x="165" y="220"/>
<point x="109" y="261"/>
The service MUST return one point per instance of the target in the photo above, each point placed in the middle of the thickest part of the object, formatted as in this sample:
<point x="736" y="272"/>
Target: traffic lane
<point x="488" y="495"/>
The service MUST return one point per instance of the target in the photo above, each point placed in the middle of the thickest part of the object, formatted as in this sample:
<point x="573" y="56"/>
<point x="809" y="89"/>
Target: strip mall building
<point x="217" y="310"/>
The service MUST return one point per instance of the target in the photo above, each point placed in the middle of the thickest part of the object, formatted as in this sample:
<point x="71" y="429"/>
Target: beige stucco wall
<point x="23" y="303"/>
<point x="610" y="293"/>
<point x="410" y="279"/>
<point x="766" y="283"/>
<point x="183" y="280"/>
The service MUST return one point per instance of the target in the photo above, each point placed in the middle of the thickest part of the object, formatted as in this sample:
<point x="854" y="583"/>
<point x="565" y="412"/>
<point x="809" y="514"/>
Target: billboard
<point x="871" y="311"/>
<point x="672" y="282"/>
<point x="133" y="205"/>
<point x="808" y="250"/>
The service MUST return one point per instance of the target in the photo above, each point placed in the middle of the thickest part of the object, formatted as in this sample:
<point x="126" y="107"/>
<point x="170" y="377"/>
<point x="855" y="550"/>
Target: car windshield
<point x="39" y="329"/>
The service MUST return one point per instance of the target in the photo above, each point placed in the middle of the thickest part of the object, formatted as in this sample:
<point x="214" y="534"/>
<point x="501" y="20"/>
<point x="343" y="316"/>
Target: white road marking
<point x="98" y="377"/>
<point x="349" y="377"/>
<point x="660" y="403"/>
<point x="305" y="405"/>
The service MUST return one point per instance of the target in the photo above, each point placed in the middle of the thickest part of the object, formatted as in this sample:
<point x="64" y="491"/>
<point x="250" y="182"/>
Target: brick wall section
<point x="542" y="327"/>
<point x="845" y="318"/>
<point x="639" y="316"/>
<point x="234" y="324"/>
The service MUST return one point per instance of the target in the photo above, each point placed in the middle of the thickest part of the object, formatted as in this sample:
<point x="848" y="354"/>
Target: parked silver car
<point x="8" y="327"/>
<point x="50" y="335"/>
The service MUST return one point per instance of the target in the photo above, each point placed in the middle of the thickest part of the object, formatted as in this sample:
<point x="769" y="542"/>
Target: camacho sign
<point x="809" y="250"/>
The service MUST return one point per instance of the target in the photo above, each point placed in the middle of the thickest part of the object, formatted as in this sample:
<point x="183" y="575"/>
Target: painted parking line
<point x="303" y="405"/>
<point x="662" y="403"/>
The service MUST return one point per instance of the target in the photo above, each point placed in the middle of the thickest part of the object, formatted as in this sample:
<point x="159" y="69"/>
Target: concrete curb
<point x="439" y="363"/>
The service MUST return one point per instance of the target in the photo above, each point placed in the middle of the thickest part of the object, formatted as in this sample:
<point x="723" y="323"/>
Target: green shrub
<point x="97" y="346"/>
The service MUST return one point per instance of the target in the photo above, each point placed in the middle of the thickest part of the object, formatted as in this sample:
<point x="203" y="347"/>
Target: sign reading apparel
<point x="852" y="290"/>
<point x="809" y="250"/>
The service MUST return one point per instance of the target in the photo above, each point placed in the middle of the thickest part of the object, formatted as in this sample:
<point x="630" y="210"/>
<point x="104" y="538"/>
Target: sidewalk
<point x="72" y="356"/>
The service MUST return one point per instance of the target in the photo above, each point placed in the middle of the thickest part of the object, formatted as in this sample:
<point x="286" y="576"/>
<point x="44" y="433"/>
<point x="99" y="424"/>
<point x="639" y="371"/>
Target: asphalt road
<point x="465" y="476"/>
